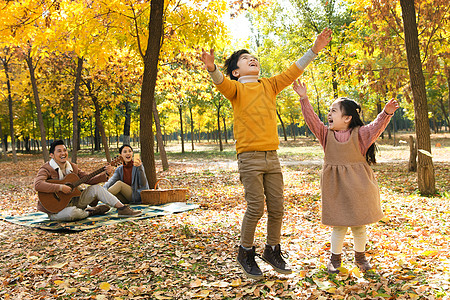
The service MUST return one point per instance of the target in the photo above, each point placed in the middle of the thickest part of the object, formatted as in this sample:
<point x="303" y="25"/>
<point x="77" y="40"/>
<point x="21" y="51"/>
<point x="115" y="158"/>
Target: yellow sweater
<point x="255" y="118"/>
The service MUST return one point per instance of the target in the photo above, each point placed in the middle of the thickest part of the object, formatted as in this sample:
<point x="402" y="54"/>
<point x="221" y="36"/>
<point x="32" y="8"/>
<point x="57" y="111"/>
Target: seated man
<point x="77" y="208"/>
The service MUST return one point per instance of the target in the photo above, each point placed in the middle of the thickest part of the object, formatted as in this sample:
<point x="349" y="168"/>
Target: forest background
<point x="89" y="59"/>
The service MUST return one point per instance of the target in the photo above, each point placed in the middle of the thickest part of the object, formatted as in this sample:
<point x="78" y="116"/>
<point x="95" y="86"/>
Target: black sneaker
<point x="246" y="260"/>
<point x="275" y="259"/>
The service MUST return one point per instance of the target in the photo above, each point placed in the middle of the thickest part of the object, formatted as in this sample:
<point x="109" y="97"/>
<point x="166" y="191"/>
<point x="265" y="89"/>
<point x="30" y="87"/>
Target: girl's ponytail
<point x="353" y="109"/>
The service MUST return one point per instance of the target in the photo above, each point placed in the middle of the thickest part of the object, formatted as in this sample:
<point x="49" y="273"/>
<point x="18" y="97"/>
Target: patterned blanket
<point x="40" y="220"/>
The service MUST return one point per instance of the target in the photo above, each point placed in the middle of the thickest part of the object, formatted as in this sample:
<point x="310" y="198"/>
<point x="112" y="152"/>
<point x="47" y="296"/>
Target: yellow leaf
<point x="413" y="296"/>
<point x="236" y="282"/>
<point x="71" y="290"/>
<point x="202" y="294"/>
<point x="58" y="282"/>
<point x="269" y="284"/>
<point x="343" y="270"/>
<point x="429" y="253"/>
<point x="105" y="286"/>
<point x="195" y="283"/>
<point x="355" y="271"/>
<point x="159" y="295"/>
<point x="59" y="266"/>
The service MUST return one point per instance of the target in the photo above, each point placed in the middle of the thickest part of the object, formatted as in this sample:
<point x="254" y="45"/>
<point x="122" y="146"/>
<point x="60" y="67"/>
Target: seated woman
<point x="128" y="179"/>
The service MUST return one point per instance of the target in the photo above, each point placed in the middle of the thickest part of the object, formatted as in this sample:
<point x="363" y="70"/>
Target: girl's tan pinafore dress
<point x="350" y="195"/>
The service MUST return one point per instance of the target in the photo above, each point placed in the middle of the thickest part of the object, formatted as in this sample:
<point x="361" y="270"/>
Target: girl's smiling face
<point x="127" y="154"/>
<point x="336" y="119"/>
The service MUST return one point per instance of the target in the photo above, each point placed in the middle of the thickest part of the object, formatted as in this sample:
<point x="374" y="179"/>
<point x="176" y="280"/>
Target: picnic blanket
<point x="40" y="220"/>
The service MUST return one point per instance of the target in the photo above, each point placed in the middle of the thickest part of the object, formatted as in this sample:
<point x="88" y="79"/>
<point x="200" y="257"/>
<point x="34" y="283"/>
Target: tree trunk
<point x="412" y="165"/>
<point x="162" y="149"/>
<point x="127" y="123"/>
<point x="180" y="112"/>
<point x="282" y="125"/>
<point x="101" y="128"/>
<point x="37" y="102"/>
<point x="98" y="120"/>
<point x="425" y="169"/>
<point x="444" y="111"/>
<point x="10" y="107"/>
<point x="75" y="139"/>
<point x="151" y="59"/>
<point x="219" y="132"/>
<point x="225" y="130"/>
<point x="447" y="74"/>
<point x="3" y="153"/>
<point x="192" y="128"/>
<point x="334" y="79"/>
<point x="379" y="109"/>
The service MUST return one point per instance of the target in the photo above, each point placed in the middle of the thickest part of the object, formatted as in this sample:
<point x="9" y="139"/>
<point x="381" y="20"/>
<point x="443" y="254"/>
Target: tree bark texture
<point x="127" y="123"/>
<point x="412" y="164"/>
<point x="151" y="59"/>
<point x="37" y="102"/>
<point x="425" y="169"/>
<point x="159" y="138"/>
<point x="76" y="92"/>
<point x="192" y="128"/>
<point x="180" y="112"/>
<point x="98" y="120"/>
<point x="282" y="126"/>
<point x="10" y="107"/>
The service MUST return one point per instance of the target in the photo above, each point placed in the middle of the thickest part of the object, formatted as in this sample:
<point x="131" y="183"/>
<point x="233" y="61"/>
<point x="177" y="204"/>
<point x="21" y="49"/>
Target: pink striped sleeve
<point x="369" y="133"/>
<point x="314" y="123"/>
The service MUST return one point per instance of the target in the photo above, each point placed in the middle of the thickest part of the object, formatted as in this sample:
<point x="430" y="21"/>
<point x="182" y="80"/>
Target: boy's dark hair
<point x="123" y="146"/>
<point x="231" y="63"/>
<point x="351" y="108"/>
<point x="54" y="144"/>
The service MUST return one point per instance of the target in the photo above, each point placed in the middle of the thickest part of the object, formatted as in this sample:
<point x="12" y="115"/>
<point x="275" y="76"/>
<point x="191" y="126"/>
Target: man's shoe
<point x="246" y="260"/>
<point x="126" y="212"/>
<point x="274" y="257"/>
<point x="334" y="264"/>
<point x="97" y="210"/>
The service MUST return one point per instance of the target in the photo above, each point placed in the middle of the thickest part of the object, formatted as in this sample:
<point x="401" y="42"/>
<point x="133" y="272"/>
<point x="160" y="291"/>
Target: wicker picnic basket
<point x="162" y="196"/>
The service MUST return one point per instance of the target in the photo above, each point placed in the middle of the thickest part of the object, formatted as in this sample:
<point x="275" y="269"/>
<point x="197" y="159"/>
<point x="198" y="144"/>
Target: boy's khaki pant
<point x="260" y="173"/>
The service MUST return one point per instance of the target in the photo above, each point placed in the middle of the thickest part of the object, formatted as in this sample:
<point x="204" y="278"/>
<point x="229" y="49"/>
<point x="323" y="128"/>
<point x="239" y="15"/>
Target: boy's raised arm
<point x="208" y="59"/>
<point x="322" y="40"/>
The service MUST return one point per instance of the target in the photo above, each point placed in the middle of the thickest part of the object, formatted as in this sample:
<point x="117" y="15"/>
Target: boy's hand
<point x="300" y="88"/>
<point x="208" y="59"/>
<point x="391" y="106"/>
<point x="322" y="40"/>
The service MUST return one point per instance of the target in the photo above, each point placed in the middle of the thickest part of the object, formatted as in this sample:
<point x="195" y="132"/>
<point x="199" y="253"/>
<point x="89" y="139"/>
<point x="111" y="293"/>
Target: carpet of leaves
<point x="192" y="255"/>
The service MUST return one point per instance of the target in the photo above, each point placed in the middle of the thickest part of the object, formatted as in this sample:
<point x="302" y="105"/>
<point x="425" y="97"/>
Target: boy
<point x="255" y="131"/>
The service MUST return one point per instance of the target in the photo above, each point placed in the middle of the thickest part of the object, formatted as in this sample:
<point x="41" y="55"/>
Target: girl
<point x="129" y="179"/>
<point x="350" y="196"/>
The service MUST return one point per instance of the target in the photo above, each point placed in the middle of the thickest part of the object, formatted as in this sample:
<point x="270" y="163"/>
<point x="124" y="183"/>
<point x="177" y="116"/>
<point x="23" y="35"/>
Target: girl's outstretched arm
<point x="312" y="120"/>
<point x="369" y="133"/>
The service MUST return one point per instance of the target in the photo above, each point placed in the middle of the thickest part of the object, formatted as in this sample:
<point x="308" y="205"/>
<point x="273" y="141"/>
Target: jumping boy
<point x="255" y="131"/>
